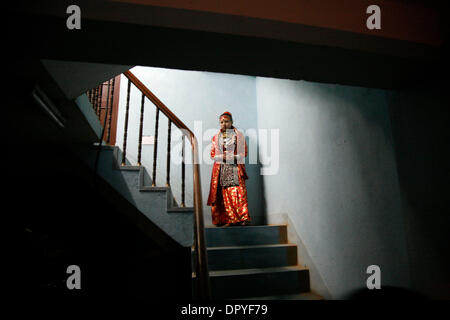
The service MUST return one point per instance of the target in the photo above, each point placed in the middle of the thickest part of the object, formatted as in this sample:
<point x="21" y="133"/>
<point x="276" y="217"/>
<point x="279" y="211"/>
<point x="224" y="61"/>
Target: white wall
<point x="337" y="181"/>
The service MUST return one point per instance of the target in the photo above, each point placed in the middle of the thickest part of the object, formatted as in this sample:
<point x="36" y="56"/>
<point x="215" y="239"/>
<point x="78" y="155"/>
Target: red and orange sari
<point x="229" y="204"/>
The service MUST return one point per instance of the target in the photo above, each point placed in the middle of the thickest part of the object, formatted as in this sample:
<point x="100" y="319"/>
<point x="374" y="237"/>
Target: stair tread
<point x="180" y="209"/>
<point x="249" y="226"/>
<point x="246" y="235"/>
<point x="235" y="272"/>
<point x="257" y="246"/>
<point x="129" y="168"/>
<point x="155" y="189"/>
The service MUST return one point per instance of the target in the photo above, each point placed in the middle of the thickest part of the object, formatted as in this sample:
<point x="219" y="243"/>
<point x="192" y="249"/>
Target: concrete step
<point x="248" y="257"/>
<point x="229" y="284"/>
<point x="245" y="235"/>
<point x="153" y="203"/>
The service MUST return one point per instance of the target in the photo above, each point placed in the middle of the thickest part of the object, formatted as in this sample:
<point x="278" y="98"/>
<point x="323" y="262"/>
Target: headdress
<point x="226" y="113"/>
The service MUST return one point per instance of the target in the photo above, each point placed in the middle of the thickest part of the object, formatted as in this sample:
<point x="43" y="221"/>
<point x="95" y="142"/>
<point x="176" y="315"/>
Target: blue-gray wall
<point x="337" y="181"/>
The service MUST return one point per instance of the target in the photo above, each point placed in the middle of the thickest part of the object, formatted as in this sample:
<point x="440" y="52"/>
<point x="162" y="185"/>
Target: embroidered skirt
<point x="231" y="204"/>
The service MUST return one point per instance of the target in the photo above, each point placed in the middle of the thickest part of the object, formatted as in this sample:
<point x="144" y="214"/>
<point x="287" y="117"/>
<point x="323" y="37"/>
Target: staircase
<point x="255" y="262"/>
<point x="244" y="262"/>
<point x="156" y="203"/>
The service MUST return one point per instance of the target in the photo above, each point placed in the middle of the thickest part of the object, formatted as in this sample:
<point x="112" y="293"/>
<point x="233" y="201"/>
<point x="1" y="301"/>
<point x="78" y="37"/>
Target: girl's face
<point x="225" y="123"/>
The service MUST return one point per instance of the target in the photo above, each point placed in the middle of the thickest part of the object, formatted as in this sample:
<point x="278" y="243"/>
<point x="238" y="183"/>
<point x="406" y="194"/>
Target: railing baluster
<point x="125" y="134"/>
<point x="108" y="135"/>
<point x="141" y="125"/>
<point x="92" y="96"/>
<point x="155" y="148"/>
<point x="106" y="108"/>
<point x="182" y="171"/>
<point x="168" y="152"/>
<point x="94" y="101"/>
<point x="99" y="105"/>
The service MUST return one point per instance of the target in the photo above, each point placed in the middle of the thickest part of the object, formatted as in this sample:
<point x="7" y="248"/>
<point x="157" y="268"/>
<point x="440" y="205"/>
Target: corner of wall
<point x="317" y="283"/>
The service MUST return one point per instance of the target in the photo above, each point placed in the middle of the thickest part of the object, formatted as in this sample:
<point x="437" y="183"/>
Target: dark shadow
<point x="262" y="197"/>
<point x="255" y="191"/>
<point x="62" y="216"/>
<point x="421" y="136"/>
<point x="385" y="293"/>
<point x="66" y="220"/>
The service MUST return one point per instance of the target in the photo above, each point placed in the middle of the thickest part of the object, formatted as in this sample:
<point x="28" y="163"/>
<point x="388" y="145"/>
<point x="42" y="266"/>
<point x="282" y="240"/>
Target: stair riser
<point x="249" y="258"/>
<point x="242" y="236"/>
<point x="261" y="284"/>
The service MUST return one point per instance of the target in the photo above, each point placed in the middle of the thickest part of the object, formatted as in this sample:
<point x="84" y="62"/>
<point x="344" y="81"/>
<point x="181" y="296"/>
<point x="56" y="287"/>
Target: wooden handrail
<point x="202" y="274"/>
<point x="158" y="103"/>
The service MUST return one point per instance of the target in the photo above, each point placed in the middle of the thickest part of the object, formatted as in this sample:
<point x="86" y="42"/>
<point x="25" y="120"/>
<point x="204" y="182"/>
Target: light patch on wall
<point x="148" y="139"/>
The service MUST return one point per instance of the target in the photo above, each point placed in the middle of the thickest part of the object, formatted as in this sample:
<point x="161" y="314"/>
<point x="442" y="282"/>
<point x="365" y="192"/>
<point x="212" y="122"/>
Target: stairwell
<point x="255" y="262"/>
<point x="245" y="262"/>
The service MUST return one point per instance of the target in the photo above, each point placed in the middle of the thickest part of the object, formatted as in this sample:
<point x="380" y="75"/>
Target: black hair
<point x="227" y="114"/>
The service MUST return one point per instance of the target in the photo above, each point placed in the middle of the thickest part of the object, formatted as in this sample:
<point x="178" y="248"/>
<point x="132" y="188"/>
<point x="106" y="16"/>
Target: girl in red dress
<point x="227" y="193"/>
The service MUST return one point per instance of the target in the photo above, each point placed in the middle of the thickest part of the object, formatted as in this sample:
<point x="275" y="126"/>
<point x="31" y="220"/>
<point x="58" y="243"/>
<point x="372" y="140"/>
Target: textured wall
<point x="337" y="180"/>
